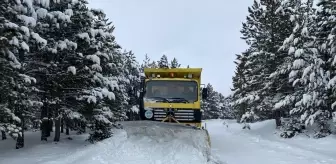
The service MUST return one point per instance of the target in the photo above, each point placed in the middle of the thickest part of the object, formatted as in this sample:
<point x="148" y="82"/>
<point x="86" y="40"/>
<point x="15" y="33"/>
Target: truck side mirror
<point x="204" y="93"/>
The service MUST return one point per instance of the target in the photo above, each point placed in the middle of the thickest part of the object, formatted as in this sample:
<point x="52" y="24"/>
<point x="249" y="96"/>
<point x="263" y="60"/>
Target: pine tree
<point x="322" y="72"/>
<point x="145" y="62"/>
<point x="211" y="106"/>
<point x="256" y="61"/>
<point x="163" y="62"/>
<point x="110" y="91"/>
<point x="9" y="65"/>
<point x="64" y="74"/>
<point x="326" y="18"/>
<point x="264" y="31"/>
<point x="299" y="49"/>
<point x="174" y="63"/>
<point x="279" y="78"/>
<point x="17" y="106"/>
<point x="225" y="110"/>
<point x="132" y="66"/>
<point x="238" y="100"/>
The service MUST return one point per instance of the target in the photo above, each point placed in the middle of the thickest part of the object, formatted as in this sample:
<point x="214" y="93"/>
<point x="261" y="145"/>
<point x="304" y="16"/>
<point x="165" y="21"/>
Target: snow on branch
<point x="27" y="79"/>
<point x="28" y="21"/>
<point x="98" y="93"/>
<point x="72" y="69"/>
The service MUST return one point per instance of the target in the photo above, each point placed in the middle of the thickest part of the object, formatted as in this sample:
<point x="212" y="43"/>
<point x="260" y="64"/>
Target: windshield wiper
<point x="180" y="99"/>
<point x="161" y="98"/>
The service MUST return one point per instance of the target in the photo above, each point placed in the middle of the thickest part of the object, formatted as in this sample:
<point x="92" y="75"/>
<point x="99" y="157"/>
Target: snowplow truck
<point x="172" y="95"/>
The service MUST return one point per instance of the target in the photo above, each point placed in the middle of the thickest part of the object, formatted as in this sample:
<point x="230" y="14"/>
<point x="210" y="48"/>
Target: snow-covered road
<point x="261" y="146"/>
<point x="135" y="144"/>
<point x="231" y="144"/>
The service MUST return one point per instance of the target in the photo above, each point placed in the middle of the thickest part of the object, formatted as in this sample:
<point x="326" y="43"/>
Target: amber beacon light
<point x="172" y="74"/>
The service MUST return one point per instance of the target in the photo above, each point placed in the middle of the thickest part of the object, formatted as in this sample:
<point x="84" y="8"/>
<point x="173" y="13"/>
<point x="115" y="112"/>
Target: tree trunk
<point x="44" y="124"/>
<point x="50" y="121"/>
<point x="83" y="125"/>
<point x="3" y="134"/>
<point x="20" y="139"/>
<point x="50" y="125"/>
<point x="277" y="118"/>
<point x="57" y="129"/>
<point x="62" y="126"/>
<point x="81" y="128"/>
<point x="67" y="129"/>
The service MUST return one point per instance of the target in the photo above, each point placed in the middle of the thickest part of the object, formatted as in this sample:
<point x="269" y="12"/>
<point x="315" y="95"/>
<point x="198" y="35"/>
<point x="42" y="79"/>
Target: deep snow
<point x="262" y="145"/>
<point x="230" y="144"/>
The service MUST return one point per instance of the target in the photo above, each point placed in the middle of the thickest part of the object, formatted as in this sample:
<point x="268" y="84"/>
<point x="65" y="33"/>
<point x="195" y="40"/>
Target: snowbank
<point x="262" y="145"/>
<point x="37" y="151"/>
<point x="137" y="143"/>
<point x="177" y="138"/>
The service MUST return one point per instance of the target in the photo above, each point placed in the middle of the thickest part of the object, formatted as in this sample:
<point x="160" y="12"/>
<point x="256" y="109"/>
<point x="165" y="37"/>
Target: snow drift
<point x="139" y="142"/>
<point x="172" y="135"/>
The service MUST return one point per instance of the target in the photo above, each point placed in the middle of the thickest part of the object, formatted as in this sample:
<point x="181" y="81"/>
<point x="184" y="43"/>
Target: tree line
<point x="288" y="69"/>
<point x="62" y="70"/>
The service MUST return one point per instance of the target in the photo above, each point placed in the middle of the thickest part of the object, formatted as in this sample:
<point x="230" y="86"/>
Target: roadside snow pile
<point x="138" y="143"/>
<point x="38" y="152"/>
<point x="262" y="145"/>
<point x="174" y="139"/>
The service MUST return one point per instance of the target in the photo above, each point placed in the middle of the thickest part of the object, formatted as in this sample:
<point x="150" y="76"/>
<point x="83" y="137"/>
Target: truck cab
<point x="172" y="95"/>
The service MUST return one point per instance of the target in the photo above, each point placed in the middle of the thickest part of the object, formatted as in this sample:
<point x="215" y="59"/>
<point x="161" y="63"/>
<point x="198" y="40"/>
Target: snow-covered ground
<point x="261" y="145"/>
<point x="230" y="144"/>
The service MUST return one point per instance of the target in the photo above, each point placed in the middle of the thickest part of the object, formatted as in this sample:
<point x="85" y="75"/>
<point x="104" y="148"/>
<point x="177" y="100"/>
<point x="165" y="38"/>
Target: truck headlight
<point x="149" y="114"/>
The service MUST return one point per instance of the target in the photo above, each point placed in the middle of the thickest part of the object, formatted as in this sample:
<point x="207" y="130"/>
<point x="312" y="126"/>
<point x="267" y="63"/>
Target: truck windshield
<point x="170" y="90"/>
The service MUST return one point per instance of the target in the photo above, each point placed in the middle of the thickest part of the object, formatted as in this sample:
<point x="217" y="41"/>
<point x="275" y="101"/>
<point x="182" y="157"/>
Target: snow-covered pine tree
<point x="153" y="64"/>
<point x="19" y="18"/>
<point x="123" y="105"/>
<point x="9" y="65"/>
<point x="226" y="111"/>
<point x="254" y="32"/>
<point x="62" y="68"/>
<point x="299" y="46"/>
<point x="325" y="34"/>
<point x="326" y="23"/>
<point x="279" y="28"/>
<point x="109" y="92"/>
<point x="264" y="31"/>
<point x="174" y="63"/>
<point x="163" y="62"/>
<point x="278" y="79"/>
<point x="238" y="101"/>
<point x="145" y="62"/>
<point x="211" y="106"/>
<point x="133" y="74"/>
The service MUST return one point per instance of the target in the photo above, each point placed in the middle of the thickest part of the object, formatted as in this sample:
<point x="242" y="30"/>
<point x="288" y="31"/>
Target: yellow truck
<point x="172" y="95"/>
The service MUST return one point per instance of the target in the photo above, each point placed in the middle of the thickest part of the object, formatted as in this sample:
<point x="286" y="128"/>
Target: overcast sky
<point x="198" y="33"/>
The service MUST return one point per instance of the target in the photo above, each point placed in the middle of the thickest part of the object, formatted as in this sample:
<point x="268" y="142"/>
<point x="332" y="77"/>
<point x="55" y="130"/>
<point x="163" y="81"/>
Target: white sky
<point x="202" y="34"/>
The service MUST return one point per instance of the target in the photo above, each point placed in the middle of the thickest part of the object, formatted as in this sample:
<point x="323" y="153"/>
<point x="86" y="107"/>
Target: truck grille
<point x="180" y="114"/>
